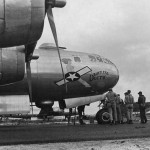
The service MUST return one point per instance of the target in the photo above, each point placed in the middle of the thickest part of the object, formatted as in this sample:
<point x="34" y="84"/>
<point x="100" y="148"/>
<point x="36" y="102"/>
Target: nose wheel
<point x="102" y="116"/>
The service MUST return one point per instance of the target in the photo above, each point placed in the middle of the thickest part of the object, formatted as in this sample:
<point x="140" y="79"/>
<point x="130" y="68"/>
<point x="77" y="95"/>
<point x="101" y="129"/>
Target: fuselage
<point x="82" y="75"/>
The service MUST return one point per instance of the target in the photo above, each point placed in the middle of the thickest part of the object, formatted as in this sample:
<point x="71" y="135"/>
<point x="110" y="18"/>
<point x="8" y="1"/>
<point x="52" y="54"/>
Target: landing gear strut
<point x="46" y="110"/>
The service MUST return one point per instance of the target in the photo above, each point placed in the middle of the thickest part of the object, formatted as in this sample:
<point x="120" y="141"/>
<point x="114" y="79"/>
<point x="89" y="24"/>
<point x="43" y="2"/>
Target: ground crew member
<point x="81" y="112"/>
<point x="141" y="102"/>
<point x="129" y="100"/>
<point x="118" y="108"/>
<point x="125" y="94"/>
<point x="111" y="105"/>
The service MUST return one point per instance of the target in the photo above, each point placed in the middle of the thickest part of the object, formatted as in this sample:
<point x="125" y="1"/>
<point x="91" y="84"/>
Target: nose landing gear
<point x="102" y="116"/>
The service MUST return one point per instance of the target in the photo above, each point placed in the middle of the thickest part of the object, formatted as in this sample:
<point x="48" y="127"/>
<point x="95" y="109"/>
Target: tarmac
<point x="123" y="144"/>
<point x="38" y="133"/>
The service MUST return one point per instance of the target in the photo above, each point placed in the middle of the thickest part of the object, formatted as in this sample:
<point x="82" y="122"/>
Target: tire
<point x="102" y="116"/>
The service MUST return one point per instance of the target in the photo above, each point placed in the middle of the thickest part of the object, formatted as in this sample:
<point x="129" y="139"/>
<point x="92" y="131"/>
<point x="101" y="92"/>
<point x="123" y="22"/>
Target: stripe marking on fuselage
<point x="74" y="76"/>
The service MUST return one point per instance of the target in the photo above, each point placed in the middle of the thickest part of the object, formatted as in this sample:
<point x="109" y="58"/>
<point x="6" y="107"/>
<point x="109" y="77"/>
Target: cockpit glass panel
<point x="66" y="60"/>
<point x="110" y="62"/>
<point x="77" y="59"/>
<point x="105" y="61"/>
<point x="92" y="58"/>
<point x="99" y="59"/>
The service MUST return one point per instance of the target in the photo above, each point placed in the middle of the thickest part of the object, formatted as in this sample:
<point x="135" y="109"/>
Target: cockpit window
<point x="99" y="59"/>
<point x="92" y="58"/>
<point x="77" y="59"/>
<point x="66" y="60"/>
<point x="105" y="60"/>
<point x="111" y="62"/>
<point x="108" y="61"/>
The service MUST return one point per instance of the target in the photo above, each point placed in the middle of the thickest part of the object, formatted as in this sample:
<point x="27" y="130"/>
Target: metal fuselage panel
<point x="21" y="21"/>
<point x="83" y="76"/>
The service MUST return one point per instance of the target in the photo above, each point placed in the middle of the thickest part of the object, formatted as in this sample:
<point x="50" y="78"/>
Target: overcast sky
<point x="116" y="29"/>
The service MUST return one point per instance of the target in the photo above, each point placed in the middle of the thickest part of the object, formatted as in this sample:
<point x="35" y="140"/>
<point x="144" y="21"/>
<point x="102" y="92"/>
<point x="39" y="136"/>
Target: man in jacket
<point x="118" y="108"/>
<point x="129" y="100"/>
<point x="111" y="105"/>
<point x="81" y="112"/>
<point x="141" y="102"/>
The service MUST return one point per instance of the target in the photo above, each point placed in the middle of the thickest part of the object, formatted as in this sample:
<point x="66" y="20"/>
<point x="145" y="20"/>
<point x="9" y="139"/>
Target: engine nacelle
<point x="74" y="102"/>
<point x="21" y="21"/>
<point x="12" y="64"/>
<point x="57" y="3"/>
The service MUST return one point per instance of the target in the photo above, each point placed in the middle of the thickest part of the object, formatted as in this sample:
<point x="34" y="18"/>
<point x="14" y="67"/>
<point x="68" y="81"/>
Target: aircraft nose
<point x="106" y="78"/>
<point x="113" y="76"/>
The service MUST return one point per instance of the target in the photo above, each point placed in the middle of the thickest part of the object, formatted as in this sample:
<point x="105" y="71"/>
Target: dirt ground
<point x="124" y="144"/>
<point x="88" y="137"/>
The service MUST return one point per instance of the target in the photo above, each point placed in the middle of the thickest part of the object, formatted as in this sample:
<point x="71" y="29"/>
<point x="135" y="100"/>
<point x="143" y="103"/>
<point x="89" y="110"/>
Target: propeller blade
<point x="29" y="53"/>
<point x="52" y="24"/>
<point x="53" y="28"/>
<point x="29" y="81"/>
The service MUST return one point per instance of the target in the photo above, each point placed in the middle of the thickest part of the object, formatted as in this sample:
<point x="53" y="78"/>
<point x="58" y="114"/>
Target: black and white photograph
<point x="74" y="74"/>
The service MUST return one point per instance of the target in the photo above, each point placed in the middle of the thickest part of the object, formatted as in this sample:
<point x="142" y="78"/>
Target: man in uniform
<point x="129" y="100"/>
<point x="111" y="105"/>
<point x="81" y="112"/>
<point x="118" y="108"/>
<point x="141" y="102"/>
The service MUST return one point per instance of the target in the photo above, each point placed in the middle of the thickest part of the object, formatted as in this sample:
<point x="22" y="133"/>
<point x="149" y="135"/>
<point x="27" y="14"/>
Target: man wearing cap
<point x="81" y="112"/>
<point x="118" y="108"/>
<point x="111" y="105"/>
<point x="141" y="102"/>
<point x="126" y="94"/>
<point x="129" y="100"/>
